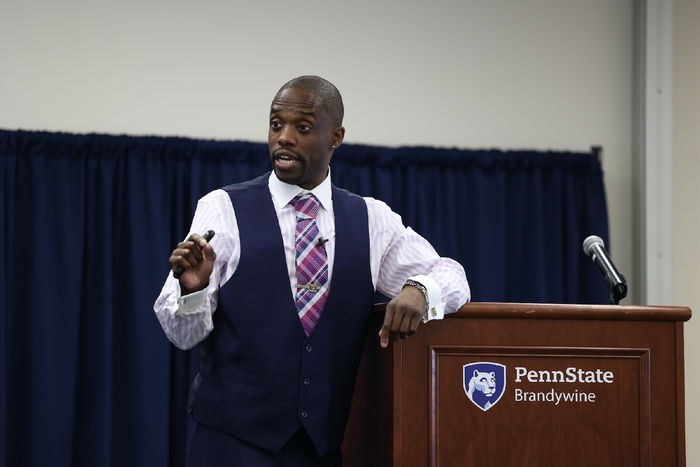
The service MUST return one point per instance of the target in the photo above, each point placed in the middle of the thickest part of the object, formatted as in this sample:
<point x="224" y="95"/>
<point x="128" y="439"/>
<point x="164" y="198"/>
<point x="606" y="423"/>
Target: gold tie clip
<point x="313" y="288"/>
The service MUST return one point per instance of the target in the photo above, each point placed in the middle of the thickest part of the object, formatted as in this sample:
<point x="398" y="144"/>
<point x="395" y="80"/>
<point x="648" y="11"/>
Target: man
<point x="279" y="300"/>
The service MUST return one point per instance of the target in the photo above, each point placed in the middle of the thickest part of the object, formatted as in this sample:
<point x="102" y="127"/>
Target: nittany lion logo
<point x="484" y="383"/>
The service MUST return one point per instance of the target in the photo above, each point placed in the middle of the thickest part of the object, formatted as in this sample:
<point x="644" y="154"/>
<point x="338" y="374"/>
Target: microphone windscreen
<point x="590" y="241"/>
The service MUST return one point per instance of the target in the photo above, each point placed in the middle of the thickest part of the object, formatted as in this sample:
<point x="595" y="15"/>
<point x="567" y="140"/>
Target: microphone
<point x="322" y="241"/>
<point x="179" y="271"/>
<point x="594" y="247"/>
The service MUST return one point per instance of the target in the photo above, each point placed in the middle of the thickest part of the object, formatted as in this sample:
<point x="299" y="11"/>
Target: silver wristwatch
<point x="423" y="290"/>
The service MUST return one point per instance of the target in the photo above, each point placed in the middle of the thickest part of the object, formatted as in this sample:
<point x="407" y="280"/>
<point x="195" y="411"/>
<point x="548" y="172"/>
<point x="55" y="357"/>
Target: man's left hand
<point x="403" y="315"/>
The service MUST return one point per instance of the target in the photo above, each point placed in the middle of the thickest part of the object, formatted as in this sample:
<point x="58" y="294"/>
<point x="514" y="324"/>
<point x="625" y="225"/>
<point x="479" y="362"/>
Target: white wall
<point x="686" y="197"/>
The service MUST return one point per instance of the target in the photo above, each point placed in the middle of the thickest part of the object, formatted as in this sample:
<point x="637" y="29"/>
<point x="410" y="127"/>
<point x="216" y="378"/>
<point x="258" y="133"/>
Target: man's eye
<point x="304" y="128"/>
<point x="275" y="125"/>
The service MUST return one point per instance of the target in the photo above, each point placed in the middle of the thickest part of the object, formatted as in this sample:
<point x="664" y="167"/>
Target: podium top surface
<point x="495" y="310"/>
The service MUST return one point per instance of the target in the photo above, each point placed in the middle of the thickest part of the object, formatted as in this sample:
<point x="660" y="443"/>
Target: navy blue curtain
<point x="87" y="377"/>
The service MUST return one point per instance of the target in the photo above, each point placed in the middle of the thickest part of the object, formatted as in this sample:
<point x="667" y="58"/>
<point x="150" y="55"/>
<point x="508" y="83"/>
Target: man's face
<point x="301" y="138"/>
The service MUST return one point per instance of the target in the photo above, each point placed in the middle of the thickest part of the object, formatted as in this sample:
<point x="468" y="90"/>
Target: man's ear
<point x="338" y="136"/>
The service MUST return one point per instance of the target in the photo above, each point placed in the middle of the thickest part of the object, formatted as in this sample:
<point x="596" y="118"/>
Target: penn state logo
<point x="484" y="383"/>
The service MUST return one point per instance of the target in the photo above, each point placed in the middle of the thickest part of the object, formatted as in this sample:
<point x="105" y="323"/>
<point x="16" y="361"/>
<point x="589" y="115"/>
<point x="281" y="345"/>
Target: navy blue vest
<point x="261" y="378"/>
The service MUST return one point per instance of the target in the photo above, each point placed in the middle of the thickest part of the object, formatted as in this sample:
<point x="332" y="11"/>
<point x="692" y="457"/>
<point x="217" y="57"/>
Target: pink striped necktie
<point x="312" y="263"/>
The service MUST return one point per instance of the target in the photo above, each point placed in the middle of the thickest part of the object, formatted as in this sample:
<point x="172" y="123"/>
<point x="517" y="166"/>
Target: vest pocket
<point x="253" y="390"/>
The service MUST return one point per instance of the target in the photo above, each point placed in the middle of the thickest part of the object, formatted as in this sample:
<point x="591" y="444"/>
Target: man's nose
<point x="286" y="136"/>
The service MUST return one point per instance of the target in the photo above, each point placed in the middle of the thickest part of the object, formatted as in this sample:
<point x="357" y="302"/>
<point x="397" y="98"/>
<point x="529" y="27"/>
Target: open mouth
<point x="285" y="159"/>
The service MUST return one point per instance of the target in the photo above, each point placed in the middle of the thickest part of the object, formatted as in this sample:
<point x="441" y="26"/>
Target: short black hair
<point x="331" y="100"/>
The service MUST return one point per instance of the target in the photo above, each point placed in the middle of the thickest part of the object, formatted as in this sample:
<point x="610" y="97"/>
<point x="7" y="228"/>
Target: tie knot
<point x="305" y="205"/>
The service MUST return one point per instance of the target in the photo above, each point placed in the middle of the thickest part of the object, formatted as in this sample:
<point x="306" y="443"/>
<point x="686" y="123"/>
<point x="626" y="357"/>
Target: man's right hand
<point x="197" y="256"/>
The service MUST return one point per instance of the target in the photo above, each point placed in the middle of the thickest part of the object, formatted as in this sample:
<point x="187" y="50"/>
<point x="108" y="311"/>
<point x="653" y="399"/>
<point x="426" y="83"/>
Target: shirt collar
<point x="283" y="193"/>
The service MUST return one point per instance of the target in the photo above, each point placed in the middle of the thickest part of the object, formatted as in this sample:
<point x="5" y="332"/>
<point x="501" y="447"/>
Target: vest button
<point x="304" y="414"/>
<point x="307" y="381"/>
<point x="308" y="347"/>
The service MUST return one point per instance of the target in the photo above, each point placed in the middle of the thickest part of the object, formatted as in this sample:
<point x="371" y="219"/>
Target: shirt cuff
<point x="436" y="310"/>
<point x="191" y="302"/>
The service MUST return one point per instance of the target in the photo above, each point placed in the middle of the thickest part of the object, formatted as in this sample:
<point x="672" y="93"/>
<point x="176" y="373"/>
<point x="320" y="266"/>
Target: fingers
<point x="390" y="330"/>
<point x="187" y="254"/>
<point x="385" y="331"/>
<point x="401" y="319"/>
<point x="415" y="322"/>
<point x="191" y="253"/>
<point x="208" y="252"/>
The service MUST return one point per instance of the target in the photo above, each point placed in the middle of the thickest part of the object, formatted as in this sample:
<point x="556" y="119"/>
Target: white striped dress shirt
<point x="397" y="253"/>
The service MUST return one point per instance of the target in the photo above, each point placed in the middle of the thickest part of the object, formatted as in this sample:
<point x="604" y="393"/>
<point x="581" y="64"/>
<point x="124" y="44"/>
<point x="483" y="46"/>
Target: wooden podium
<point x="581" y="385"/>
